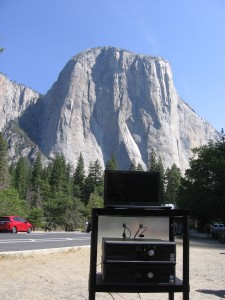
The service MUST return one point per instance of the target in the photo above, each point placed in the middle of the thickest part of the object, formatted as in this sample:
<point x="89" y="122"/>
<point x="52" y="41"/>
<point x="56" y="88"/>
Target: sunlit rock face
<point x="14" y="100"/>
<point x="110" y="101"/>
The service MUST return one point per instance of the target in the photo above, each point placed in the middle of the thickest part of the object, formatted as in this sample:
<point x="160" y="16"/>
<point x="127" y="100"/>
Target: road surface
<point x="42" y="240"/>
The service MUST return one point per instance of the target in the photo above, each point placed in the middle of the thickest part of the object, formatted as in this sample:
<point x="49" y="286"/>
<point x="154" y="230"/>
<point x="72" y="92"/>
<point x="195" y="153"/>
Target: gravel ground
<point x="54" y="276"/>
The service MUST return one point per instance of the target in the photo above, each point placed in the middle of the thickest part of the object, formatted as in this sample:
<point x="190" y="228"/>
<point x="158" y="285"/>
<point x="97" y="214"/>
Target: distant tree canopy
<point x="203" y="188"/>
<point x="58" y="195"/>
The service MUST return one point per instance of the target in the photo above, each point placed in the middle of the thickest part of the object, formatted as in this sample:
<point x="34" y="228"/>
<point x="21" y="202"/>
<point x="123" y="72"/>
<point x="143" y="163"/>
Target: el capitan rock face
<point x="111" y="101"/>
<point x="14" y="100"/>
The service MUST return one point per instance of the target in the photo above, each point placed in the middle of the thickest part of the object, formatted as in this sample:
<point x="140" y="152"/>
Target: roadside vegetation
<point x="63" y="197"/>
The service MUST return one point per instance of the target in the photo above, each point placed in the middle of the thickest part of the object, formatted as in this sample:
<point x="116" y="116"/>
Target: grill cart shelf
<point x="130" y="260"/>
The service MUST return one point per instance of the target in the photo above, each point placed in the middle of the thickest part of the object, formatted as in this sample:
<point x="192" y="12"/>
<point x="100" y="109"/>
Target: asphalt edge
<point x="31" y="253"/>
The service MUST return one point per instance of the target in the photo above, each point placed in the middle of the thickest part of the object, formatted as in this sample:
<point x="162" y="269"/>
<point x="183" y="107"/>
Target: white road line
<point x="42" y="240"/>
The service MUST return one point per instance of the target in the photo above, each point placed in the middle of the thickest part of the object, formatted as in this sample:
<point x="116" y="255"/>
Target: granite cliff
<point x="108" y="101"/>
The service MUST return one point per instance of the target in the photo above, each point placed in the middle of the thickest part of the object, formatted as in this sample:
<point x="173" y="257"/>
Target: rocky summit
<point x="107" y="101"/>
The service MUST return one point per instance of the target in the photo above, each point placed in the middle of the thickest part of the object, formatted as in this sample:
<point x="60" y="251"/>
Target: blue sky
<point x="40" y="36"/>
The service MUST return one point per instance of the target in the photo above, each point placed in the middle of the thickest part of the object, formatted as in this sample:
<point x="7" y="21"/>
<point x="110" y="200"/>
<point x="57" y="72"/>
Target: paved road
<point x="42" y="240"/>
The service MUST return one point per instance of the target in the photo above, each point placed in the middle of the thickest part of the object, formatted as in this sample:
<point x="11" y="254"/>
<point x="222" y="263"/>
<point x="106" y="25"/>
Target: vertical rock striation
<point x="14" y="100"/>
<point x="112" y="101"/>
<point x="109" y="101"/>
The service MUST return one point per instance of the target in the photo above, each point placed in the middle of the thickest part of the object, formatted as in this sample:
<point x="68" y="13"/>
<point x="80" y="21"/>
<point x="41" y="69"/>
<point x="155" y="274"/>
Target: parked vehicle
<point x="217" y="227"/>
<point x="15" y="224"/>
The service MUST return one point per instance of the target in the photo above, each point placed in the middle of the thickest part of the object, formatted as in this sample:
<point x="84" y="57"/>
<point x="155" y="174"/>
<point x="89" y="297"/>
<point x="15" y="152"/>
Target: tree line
<point x="55" y="194"/>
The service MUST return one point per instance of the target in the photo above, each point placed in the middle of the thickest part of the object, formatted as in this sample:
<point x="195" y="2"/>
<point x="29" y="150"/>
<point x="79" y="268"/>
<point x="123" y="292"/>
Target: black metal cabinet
<point x="130" y="259"/>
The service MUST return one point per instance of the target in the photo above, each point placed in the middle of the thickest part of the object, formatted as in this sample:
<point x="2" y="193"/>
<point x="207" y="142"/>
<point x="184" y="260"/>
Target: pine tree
<point x="173" y="180"/>
<point x="153" y="162"/>
<point x="156" y="165"/>
<point x="95" y="201"/>
<point x="21" y="176"/>
<point x="78" y="178"/>
<point x="36" y="174"/>
<point x="139" y="167"/>
<point x="161" y="170"/>
<point x="4" y="170"/>
<point x="34" y="193"/>
<point x="59" y="177"/>
<point x="46" y="175"/>
<point x="111" y="164"/>
<point x="68" y="180"/>
<point x="133" y="166"/>
<point x="94" y="180"/>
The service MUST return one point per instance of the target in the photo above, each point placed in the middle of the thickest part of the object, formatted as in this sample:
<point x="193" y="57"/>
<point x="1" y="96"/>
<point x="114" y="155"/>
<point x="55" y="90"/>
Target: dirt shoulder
<point x="65" y="275"/>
